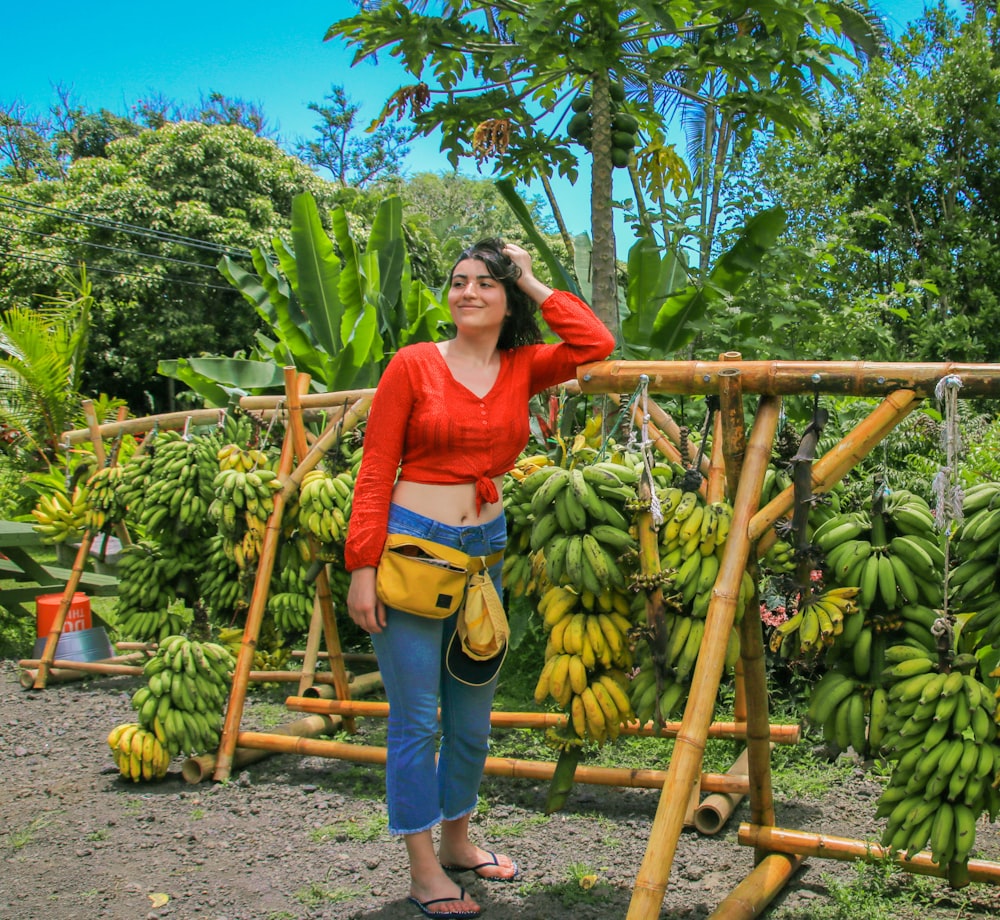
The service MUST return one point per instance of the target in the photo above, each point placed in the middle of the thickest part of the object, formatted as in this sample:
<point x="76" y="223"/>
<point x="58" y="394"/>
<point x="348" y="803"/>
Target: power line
<point x="81" y="217"/>
<point x="147" y="256"/>
<point x="113" y="271"/>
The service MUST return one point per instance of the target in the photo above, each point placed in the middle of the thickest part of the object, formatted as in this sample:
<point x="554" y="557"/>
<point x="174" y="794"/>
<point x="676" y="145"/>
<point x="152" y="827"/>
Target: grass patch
<point x="363" y="830"/>
<point x="20" y="837"/>
<point x="316" y="895"/>
<point x="583" y="887"/>
<point x="878" y="891"/>
<point x="518" y="828"/>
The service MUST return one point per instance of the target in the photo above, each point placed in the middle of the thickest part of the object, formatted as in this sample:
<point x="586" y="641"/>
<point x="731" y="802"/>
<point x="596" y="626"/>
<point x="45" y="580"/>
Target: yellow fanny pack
<point x="430" y="580"/>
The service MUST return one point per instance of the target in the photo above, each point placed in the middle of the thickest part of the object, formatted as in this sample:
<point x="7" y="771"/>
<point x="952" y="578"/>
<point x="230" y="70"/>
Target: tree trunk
<point x="605" y="287"/>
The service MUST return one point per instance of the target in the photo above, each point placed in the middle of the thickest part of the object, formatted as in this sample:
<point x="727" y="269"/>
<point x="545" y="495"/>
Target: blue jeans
<point x="411" y="657"/>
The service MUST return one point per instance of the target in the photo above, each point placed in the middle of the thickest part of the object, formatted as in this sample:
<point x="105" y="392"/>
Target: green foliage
<point x="893" y="210"/>
<point x="152" y="218"/>
<point x="332" y="310"/>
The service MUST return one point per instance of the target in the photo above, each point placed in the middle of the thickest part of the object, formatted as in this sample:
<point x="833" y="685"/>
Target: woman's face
<point x="476" y="299"/>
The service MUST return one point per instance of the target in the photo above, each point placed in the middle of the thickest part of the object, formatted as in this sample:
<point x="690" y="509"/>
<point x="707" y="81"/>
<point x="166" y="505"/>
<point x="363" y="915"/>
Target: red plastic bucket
<point x="77" y="617"/>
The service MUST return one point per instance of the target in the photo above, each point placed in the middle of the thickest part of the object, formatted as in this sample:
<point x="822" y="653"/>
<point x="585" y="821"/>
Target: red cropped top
<point x="424" y="426"/>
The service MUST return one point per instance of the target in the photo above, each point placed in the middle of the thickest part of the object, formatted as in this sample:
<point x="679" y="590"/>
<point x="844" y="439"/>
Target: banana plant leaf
<point x="317" y="271"/>
<point x="672" y="328"/>
<point x="651" y="279"/>
<point x="217" y="380"/>
<point x="561" y="276"/>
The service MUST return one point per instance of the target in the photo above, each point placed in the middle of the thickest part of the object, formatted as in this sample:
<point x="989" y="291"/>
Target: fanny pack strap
<point x="459" y="559"/>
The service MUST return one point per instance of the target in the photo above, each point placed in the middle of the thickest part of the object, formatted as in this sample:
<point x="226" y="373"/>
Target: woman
<point x="450" y="418"/>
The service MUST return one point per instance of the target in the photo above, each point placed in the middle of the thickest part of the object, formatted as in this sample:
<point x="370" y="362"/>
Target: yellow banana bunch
<point x="187" y="687"/>
<point x="817" y="622"/>
<point x="233" y="457"/>
<point x="138" y="753"/>
<point x="599" y="708"/>
<point x="59" y="518"/>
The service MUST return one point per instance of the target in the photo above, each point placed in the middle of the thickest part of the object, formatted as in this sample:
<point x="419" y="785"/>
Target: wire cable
<point x="81" y="217"/>
<point x="111" y="271"/>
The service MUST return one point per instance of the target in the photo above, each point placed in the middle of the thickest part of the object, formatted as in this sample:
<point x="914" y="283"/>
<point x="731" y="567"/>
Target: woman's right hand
<point x="363" y="605"/>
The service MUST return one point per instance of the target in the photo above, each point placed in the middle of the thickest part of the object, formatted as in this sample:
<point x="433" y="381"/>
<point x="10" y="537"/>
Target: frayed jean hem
<point x="395" y="832"/>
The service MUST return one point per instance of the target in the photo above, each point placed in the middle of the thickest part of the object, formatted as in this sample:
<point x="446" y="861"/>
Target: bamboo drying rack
<point x="736" y="467"/>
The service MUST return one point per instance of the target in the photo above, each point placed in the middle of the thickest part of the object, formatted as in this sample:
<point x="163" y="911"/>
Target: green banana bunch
<point x="168" y="488"/>
<point x="138" y="753"/>
<point x="221" y="585"/>
<point x="324" y="506"/>
<point x="59" y="518"/>
<point x="147" y="587"/>
<point x="187" y="687"/>
<point x="102" y="493"/>
<point x="973" y="584"/>
<point x="943" y="740"/>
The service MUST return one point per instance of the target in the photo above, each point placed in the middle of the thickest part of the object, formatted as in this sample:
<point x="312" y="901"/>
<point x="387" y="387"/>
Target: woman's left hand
<point x="527" y="282"/>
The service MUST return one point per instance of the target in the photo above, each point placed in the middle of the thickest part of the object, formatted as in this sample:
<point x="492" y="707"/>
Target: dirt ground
<point x="303" y="838"/>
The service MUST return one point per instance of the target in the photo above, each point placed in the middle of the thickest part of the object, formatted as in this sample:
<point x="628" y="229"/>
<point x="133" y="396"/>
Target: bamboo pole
<point x="826" y="846"/>
<point x="59" y="620"/>
<point x="788" y="378"/>
<point x="255" y="613"/>
<point x="510" y="767"/>
<point x="712" y="815"/>
<point x="781" y="734"/>
<point x="685" y="763"/>
<point x="836" y="462"/>
<point x="65" y="671"/>
<point x="198" y="769"/>
<point x="322" y="615"/>
<point x="749" y="899"/>
<point x="311" y="652"/>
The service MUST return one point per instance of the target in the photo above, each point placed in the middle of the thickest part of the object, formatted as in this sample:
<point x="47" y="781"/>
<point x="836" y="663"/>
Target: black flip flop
<point x="489" y="864"/>
<point x="448" y="914"/>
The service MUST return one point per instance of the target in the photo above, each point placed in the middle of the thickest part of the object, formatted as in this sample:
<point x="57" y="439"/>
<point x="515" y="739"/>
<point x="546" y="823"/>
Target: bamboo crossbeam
<point x="112" y="668"/>
<point x="788" y="378"/>
<point x="732" y="731"/>
<point x="308" y="400"/>
<point x="750" y="898"/>
<point x="827" y="846"/>
<point x="837" y="462"/>
<point x="510" y="767"/>
<point x="685" y="763"/>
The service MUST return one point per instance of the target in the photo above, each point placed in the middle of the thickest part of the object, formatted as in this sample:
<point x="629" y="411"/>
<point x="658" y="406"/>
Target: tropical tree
<point x="894" y="208"/>
<point x="352" y="159"/>
<point x="504" y="78"/>
<point x="152" y="219"/>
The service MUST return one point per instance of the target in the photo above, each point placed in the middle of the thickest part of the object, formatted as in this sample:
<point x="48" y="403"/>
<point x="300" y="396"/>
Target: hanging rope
<point x="946" y="486"/>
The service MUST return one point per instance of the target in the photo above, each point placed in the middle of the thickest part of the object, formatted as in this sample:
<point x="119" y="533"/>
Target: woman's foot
<point x="443" y="899"/>
<point x="495" y="867"/>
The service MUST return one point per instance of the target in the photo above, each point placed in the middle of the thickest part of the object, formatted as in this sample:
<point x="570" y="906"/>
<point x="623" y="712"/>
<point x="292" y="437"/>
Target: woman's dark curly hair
<point x="521" y="326"/>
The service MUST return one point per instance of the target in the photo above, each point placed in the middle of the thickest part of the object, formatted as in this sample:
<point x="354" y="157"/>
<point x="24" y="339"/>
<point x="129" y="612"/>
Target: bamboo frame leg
<point x="52" y="641"/>
<point x="837" y="462"/>
<point x="749" y="899"/>
<point x="685" y="764"/>
<point x="255" y="615"/>
<point x="324" y="596"/>
<point x="312" y="648"/>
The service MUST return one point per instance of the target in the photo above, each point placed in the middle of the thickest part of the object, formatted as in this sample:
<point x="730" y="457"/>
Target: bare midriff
<point x="453" y="504"/>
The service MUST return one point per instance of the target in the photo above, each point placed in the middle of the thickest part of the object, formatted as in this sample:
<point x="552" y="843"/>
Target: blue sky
<point x="112" y="53"/>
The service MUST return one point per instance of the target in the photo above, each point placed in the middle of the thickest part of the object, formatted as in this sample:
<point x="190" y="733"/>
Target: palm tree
<point x="41" y="364"/>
